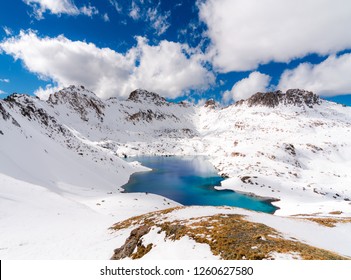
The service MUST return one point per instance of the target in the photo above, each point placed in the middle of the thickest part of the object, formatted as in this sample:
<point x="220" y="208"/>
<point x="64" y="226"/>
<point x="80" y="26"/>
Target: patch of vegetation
<point x="330" y="222"/>
<point x="229" y="236"/>
<point x="335" y="213"/>
<point x="141" y="251"/>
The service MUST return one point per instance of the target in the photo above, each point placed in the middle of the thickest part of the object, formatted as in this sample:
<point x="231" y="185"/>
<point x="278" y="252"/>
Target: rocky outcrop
<point x="5" y="115"/>
<point x="29" y="108"/>
<point x="141" y="95"/>
<point x="293" y="97"/>
<point x="132" y="242"/>
<point x="210" y="103"/>
<point x="34" y="110"/>
<point x="79" y="99"/>
<point x="150" y="116"/>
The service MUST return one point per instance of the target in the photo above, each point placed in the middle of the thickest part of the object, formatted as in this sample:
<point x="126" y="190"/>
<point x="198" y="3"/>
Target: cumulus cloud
<point x="245" y="34"/>
<point x="58" y="7"/>
<point x="176" y="70"/>
<point x="243" y="89"/>
<point x="44" y="93"/>
<point x="328" y="78"/>
<point x="5" y="80"/>
<point x="2" y="92"/>
<point x="169" y="68"/>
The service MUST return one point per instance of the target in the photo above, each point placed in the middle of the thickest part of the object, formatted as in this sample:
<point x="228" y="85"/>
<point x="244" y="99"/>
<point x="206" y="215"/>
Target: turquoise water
<point x="189" y="181"/>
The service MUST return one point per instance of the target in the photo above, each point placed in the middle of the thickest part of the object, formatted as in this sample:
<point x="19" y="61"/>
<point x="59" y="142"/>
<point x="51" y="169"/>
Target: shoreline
<point x="288" y="203"/>
<point x="267" y="200"/>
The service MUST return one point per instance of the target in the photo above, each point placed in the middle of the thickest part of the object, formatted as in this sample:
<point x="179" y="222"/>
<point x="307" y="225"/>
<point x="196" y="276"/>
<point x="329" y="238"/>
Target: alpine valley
<point x="62" y="172"/>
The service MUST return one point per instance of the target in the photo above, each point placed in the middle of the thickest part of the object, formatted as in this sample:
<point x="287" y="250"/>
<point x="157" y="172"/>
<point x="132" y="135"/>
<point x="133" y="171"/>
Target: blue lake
<point x="189" y="181"/>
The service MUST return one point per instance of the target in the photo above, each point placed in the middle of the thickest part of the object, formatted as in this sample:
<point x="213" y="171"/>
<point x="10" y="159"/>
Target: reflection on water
<point x="189" y="181"/>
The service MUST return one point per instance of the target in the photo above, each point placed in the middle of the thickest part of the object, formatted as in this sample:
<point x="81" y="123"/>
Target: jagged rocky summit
<point x="211" y="103"/>
<point x="141" y="95"/>
<point x="294" y="97"/>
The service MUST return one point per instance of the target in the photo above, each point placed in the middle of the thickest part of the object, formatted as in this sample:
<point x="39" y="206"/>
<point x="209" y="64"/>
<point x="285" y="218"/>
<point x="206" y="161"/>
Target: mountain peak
<point x="80" y="99"/>
<point x="141" y="95"/>
<point x="70" y="92"/>
<point x="211" y="103"/>
<point x="295" y="97"/>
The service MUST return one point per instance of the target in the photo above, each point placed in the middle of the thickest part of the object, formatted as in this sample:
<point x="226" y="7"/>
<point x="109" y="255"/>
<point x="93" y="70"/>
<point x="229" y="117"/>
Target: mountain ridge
<point x="264" y="136"/>
<point x="61" y="168"/>
<point x="294" y="97"/>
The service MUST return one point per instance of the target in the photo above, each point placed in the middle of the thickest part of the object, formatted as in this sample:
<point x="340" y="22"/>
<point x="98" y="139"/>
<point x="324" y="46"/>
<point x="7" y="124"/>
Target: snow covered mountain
<point x="61" y="166"/>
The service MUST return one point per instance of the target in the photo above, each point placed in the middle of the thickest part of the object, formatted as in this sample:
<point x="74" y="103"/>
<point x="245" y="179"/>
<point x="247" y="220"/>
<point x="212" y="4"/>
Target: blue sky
<point x="183" y="49"/>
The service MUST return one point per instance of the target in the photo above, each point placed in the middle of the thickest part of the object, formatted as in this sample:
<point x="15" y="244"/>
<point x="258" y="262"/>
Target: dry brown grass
<point x="141" y="251"/>
<point x="330" y="222"/>
<point x="335" y="213"/>
<point x="229" y="236"/>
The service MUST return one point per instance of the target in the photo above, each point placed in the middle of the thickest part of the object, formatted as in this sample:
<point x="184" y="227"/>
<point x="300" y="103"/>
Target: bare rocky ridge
<point x="79" y="99"/>
<point x="210" y="103"/>
<point x="149" y="116"/>
<point x="141" y="95"/>
<point x="133" y="242"/>
<point x="294" y="97"/>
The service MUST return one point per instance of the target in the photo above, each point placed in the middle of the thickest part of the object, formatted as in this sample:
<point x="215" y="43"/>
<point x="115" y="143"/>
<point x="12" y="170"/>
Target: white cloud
<point x="54" y="7"/>
<point x="5" y="80"/>
<point x="116" y="5"/>
<point x="58" y="7"/>
<point x="67" y="62"/>
<point x="328" y="78"/>
<point x="134" y="12"/>
<point x="105" y="17"/>
<point x="44" y="94"/>
<point x="243" y="89"/>
<point x="150" y="13"/>
<point x="7" y="30"/>
<point x="171" y="69"/>
<point x="246" y="33"/>
<point x="2" y="92"/>
<point x="158" y="21"/>
<point x="89" y="10"/>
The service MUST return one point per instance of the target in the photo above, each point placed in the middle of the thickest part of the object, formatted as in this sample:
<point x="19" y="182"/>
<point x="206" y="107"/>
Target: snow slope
<point x="61" y="171"/>
<point x="59" y="194"/>
<point x="229" y="233"/>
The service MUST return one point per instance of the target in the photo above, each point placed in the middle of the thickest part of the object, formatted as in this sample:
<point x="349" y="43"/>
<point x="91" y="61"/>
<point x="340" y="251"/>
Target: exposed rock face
<point x="6" y="116"/>
<point x="28" y="108"/>
<point x="141" y="95"/>
<point x="149" y="116"/>
<point x="32" y="109"/>
<point x="80" y="99"/>
<point x="131" y="243"/>
<point x="3" y="113"/>
<point x="294" y="97"/>
<point x="210" y="103"/>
